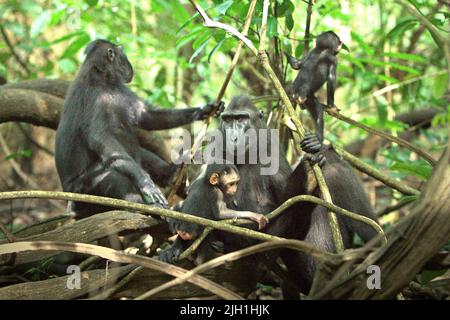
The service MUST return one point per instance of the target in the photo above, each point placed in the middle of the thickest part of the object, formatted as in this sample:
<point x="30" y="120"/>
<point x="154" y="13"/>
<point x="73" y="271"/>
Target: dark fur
<point x="201" y="201"/>
<point x="309" y="222"/>
<point x="318" y="67"/>
<point x="97" y="150"/>
<point x="304" y="221"/>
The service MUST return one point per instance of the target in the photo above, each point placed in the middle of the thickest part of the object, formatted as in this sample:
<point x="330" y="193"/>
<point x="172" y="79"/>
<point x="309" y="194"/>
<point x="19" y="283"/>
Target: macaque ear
<point x="261" y="114"/>
<point x="214" y="179"/>
<point x="111" y="54"/>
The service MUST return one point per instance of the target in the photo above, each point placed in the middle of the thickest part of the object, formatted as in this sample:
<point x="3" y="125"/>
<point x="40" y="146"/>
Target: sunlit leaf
<point x="401" y="28"/>
<point x="223" y="7"/>
<point x="439" y="87"/>
<point x="286" y="9"/>
<point x="217" y="47"/>
<point x="40" y="23"/>
<point x="359" y="39"/>
<point x="67" y="65"/>
<point x="200" y="49"/>
<point x="76" y="45"/>
<point x="289" y="22"/>
<point x="160" y="79"/>
<point x="272" y="27"/>
<point x="19" y="154"/>
<point x="188" y="37"/>
<point x="406" y="56"/>
<point x="422" y="171"/>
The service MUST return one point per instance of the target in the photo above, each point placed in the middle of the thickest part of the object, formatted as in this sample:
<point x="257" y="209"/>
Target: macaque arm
<point x="151" y="118"/>
<point x="226" y="213"/>
<point x="331" y="84"/>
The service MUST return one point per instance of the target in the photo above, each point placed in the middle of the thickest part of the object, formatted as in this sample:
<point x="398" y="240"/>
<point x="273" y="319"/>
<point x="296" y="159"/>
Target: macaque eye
<point x="226" y="118"/>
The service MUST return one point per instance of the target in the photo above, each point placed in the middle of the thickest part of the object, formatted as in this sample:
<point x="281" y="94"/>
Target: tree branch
<point x="117" y="256"/>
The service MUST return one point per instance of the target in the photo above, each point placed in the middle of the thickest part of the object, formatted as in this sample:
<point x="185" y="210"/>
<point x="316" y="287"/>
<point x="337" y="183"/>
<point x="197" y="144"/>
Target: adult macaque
<point x="318" y="67"/>
<point x="97" y="150"/>
<point x="209" y="197"/>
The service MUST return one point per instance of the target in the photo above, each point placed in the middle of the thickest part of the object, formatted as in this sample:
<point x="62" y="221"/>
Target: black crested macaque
<point x="318" y="67"/>
<point x="263" y="193"/>
<point x="207" y="198"/>
<point x="97" y="150"/>
<point x="257" y="192"/>
<point x="309" y="222"/>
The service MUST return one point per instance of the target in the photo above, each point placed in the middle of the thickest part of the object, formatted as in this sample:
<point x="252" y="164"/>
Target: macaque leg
<point x="231" y="214"/>
<point x="315" y="108"/>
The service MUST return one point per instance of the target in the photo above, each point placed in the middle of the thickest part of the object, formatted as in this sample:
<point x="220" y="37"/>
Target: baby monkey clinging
<point x="210" y="196"/>
<point x="318" y="66"/>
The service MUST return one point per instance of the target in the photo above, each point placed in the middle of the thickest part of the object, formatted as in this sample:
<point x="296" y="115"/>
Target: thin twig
<point x="287" y="204"/>
<point x="233" y="256"/>
<point x="28" y="180"/>
<point x="182" y="171"/>
<point x="118" y="256"/>
<point x="262" y="56"/>
<point x="394" y="207"/>
<point x="125" y="280"/>
<point x="13" y="51"/>
<point x="145" y="209"/>
<point x="307" y="27"/>
<point x="401" y="142"/>
<point x="34" y="142"/>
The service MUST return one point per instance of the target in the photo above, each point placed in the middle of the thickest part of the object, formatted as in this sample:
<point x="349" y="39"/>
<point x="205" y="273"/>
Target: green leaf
<point x="217" y="46"/>
<point x="40" y="23"/>
<point x="422" y="171"/>
<point x="76" y="45"/>
<point x="161" y="77"/>
<point x="355" y="61"/>
<point x="406" y="56"/>
<point x="205" y="35"/>
<point x="299" y="49"/>
<point x="382" y="112"/>
<point x="359" y="39"/>
<point x="344" y="47"/>
<point x="200" y="49"/>
<point x="179" y="12"/>
<point x="439" y="85"/>
<point x="57" y="16"/>
<point x="19" y="154"/>
<point x="188" y="37"/>
<point x="187" y="22"/>
<point x="401" y="28"/>
<point x="91" y="3"/>
<point x="289" y="22"/>
<point x="286" y="9"/>
<point x="67" y="37"/>
<point x="223" y="7"/>
<point x="428" y="275"/>
<point x="404" y="68"/>
<point x="67" y="65"/>
<point x="272" y="27"/>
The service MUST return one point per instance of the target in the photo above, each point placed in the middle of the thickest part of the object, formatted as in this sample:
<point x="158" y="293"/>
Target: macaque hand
<point x="260" y="219"/>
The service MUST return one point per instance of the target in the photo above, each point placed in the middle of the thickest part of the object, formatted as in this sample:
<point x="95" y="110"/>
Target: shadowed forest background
<point x="392" y="75"/>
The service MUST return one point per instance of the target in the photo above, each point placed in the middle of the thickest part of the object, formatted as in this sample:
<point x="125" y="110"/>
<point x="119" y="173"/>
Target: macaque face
<point x="227" y="182"/>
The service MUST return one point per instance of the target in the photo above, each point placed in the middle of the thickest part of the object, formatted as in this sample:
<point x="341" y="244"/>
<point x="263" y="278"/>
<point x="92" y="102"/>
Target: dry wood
<point x="56" y="289"/>
<point x="87" y="230"/>
<point x="239" y="276"/>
